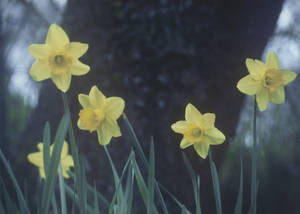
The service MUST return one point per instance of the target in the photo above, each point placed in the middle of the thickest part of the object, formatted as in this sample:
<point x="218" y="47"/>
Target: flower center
<point x="91" y="118"/>
<point x="193" y="134"/>
<point x="272" y="79"/>
<point x="60" y="64"/>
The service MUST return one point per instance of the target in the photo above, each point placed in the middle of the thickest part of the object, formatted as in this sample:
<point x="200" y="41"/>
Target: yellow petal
<point x="67" y="162"/>
<point x="39" y="51"/>
<point x="40" y="146"/>
<point x="62" y="81"/>
<point x="103" y="137"/>
<point x="256" y="68"/>
<point x="288" y="76"/>
<point x="272" y="60"/>
<point x="179" y="126"/>
<point x="76" y="49"/>
<point x="111" y="127"/>
<point x="84" y="100"/>
<point x="208" y="121"/>
<point x="262" y="99"/>
<point x="96" y="97"/>
<point x="248" y="85"/>
<point x="40" y="71"/>
<point x="36" y="158"/>
<point x="64" y="150"/>
<point x="184" y="144"/>
<point x="42" y="172"/>
<point x="192" y="114"/>
<point x="114" y="107"/>
<point x="80" y="126"/>
<point x="78" y="68"/>
<point x="213" y="136"/>
<point x="56" y="37"/>
<point x="278" y="95"/>
<point x="201" y="149"/>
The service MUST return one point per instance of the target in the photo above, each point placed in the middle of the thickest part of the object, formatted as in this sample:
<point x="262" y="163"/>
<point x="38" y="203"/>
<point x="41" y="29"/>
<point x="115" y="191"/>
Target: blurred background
<point x="160" y="55"/>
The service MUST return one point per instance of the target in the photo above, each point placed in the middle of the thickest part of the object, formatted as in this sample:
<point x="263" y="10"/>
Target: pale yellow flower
<point x="100" y="114"/>
<point x="37" y="159"/>
<point x="266" y="81"/>
<point x="58" y="58"/>
<point x="198" y="130"/>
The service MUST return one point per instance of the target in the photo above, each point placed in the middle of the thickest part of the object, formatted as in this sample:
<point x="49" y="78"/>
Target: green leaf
<point x="46" y="147"/>
<point x="216" y="184"/>
<point x="54" y="162"/>
<point x="151" y="179"/>
<point x="21" y="200"/>
<point x="62" y="191"/>
<point x="195" y="182"/>
<point x="96" y="205"/>
<point x="239" y="200"/>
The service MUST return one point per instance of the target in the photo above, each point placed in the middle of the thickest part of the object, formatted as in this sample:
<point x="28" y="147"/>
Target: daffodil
<point x="198" y="130"/>
<point x="100" y="114"/>
<point x="266" y="81"/>
<point x="58" y="58"/>
<point x="37" y="159"/>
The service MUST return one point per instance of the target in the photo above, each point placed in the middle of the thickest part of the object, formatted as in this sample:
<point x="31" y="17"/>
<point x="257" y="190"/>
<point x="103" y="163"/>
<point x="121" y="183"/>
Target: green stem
<point x="254" y="157"/>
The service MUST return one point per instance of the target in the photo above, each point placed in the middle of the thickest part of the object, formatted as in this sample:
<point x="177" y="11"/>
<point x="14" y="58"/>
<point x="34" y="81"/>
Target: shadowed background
<point x="158" y="56"/>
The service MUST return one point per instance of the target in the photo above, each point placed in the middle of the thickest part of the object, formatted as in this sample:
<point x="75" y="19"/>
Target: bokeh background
<point x="160" y="55"/>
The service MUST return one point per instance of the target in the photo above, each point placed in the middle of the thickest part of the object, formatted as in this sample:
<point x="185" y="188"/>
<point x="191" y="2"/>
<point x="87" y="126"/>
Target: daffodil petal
<point x="40" y="71"/>
<point x="256" y="68"/>
<point x="78" y="68"/>
<point x="114" y="107"/>
<point x="96" y="97"/>
<point x="208" y="121"/>
<point x="103" y="137"/>
<point x="56" y="37"/>
<point x="184" y="144"/>
<point x="278" y="96"/>
<point x="192" y="114"/>
<point x="288" y="76"/>
<point x="84" y="100"/>
<point x="179" y="126"/>
<point x="39" y="51"/>
<point x="213" y="136"/>
<point x="248" y="85"/>
<point x="40" y="146"/>
<point x="79" y="124"/>
<point x="67" y="162"/>
<point x="64" y="150"/>
<point x="76" y="49"/>
<point x="262" y="99"/>
<point x="201" y="149"/>
<point x="272" y="60"/>
<point x="36" y="158"/>
<point x="62" y="81"/>
<point x="111" y="127"/>
<point x="42" y="172"/>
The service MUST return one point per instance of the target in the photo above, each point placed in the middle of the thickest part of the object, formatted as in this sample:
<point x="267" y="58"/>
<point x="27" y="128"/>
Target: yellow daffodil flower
<point x="58" y="58"/>
<point x="198" y="130"/>
<point x="37" y="159"/>
<point x="266" y="81"/>
<point x="100" y="114"/>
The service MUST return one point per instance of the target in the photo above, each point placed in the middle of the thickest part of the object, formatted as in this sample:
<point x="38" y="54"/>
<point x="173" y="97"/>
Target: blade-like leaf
<point x="46" y="147"/>
<point x="216" y="185"/>
<point x="151" y="179"/>
<point x="239" y="200"/>
<point x="54" y="162"/>
<point x="20" y="196"/>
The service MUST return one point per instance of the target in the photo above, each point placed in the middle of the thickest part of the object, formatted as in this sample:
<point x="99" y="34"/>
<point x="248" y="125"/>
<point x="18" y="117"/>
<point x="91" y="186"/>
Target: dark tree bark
<point x="159" y="57"/>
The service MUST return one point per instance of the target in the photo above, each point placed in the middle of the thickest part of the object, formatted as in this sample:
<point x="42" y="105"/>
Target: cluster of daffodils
<point x="58" y="59"/>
